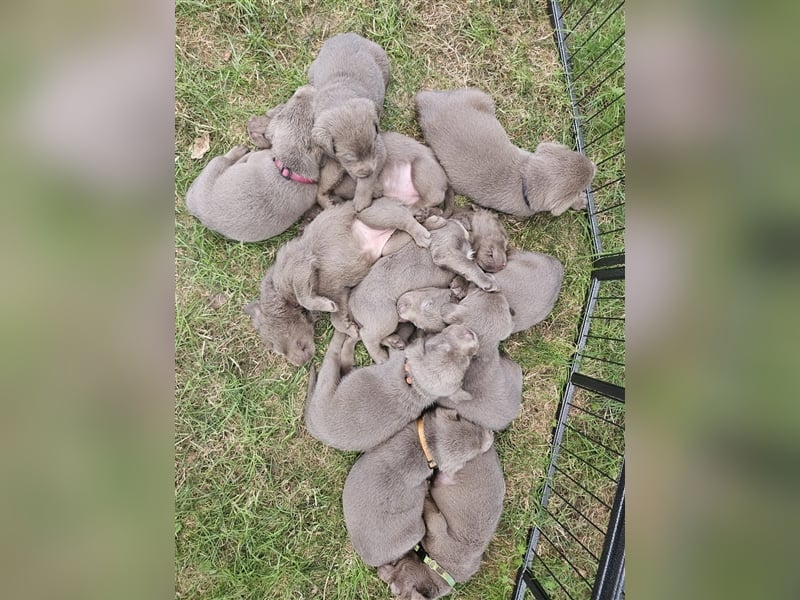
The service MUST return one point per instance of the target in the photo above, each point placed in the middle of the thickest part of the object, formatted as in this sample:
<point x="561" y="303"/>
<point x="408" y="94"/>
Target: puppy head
<point x="423" y="308"/>
<point x="487" y="314"/>
<point x="349" y="133"/>
<point x="438" y="362"/>
<point x="455" y="441"/>
<point x="286" y="329"/>
<point x="290" y="130"/>
<point x="488" y="237"/>
<point x="568" y="173"/>
<point x="410" y="579"/>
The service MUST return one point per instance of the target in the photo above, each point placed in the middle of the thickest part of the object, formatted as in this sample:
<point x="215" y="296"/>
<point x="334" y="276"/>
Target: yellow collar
<point x="424" y="443"/>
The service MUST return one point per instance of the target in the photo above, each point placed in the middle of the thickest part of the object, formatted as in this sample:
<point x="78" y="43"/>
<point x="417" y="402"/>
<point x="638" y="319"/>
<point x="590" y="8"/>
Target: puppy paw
<point x="422" y="238"/>
<point x="487" y="283"/>
<point x="362" y="202"/>
<point x="352" y="330"/>
<point x="435" y="222"/>
<point x="257" y="130"/>
<point x="323" y="305"/>
<point x="458" y="288"/>
<point x="394" y="341"/>
<point x="237" y="152"/>
<point x="378" y="355"/>
<point x="422" y="214"/>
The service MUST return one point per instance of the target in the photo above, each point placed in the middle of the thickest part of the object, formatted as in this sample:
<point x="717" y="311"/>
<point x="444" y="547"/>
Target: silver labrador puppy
<point x="411" y="175"/>
<point x="493" y="381"/>
<point x="315" y="271"/>
<point x="252" y="196"/>
<point x="482" y="163"/>
<point x="369" y="405"/>
<point x="461" y="515"/>
<point x="385" y="491"/>
<point x="351" y="74"/>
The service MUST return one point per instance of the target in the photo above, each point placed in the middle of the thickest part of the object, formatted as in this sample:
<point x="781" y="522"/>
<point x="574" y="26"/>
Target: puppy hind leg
<point x="372" y="342"/>
<point x="304" y="284"/>
<point x="430" y="182"/>
<point x="321" y="392"/>
<point x="330" y="176"/>
<point x="480" y="101"/>
<point x="386" y="213"/>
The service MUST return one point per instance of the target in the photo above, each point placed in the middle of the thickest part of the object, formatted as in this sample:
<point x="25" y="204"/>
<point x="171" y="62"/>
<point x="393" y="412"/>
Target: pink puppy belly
<point x="397" y="183"/>
<point x="370" y="240"/>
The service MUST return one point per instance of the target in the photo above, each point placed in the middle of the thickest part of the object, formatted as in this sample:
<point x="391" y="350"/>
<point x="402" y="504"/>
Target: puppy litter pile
<point x="431" y="291"/>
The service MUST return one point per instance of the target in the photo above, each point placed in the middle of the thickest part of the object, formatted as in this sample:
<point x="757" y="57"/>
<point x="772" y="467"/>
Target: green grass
<point x="257" y="500"/>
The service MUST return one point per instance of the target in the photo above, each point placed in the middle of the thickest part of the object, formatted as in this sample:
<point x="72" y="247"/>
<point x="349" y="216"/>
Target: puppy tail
<point x="449" y="202"/>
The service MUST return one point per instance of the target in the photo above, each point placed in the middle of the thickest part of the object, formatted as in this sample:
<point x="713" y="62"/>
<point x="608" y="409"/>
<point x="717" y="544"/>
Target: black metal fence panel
<point x="576" y="547"/>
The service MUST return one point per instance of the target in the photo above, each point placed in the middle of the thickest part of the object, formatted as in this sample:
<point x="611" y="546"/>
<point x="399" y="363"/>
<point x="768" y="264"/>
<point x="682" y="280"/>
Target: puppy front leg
<point x="364" y="189"/>
<point x="304" y="284"/>
<point x="330" y="176"/>
<point x="461" y="265"/>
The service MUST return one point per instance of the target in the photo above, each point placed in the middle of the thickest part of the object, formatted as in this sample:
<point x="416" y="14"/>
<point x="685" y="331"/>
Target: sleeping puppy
<point x="482" y="163"/>
<point x="423" y="308"/>
<point x="373" y="303"/>
<point x="350" y="74"/>
<point x="315" y="271"/>
<point x="252" y="196"/>
<point x="531" y="283"/>
<point x="384" y="493"/>
<point x="493" y="381"/>
<point x="461" y="515"/>
<point x="369" y="405"/>
<point x="420" y="311"/>
<point x="411" y="175"/>
<point x="492" y="239"/>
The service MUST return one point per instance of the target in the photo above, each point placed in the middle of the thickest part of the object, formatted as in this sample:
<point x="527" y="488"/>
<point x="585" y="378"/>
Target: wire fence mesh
<point x="576" y="546"/>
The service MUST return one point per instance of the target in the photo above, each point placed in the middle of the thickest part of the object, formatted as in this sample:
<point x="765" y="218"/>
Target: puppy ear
<point x="323" y="138"/>
<point x="386" y="573"/>
<point x="257" y="128"/>
<point x="376" y="119"/>
<point x="452" y="313"/>
<point x="463" y="217"/>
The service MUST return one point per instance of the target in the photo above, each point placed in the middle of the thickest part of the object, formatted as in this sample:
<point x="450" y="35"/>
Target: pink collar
<point x="287" y="173"/>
